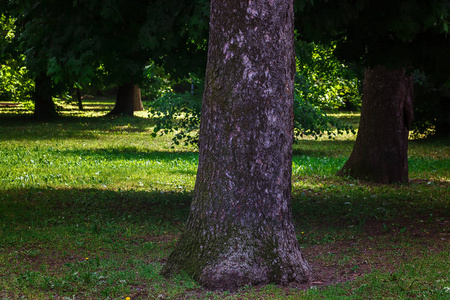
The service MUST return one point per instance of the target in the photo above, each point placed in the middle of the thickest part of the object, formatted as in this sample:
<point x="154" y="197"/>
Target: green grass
<point x="91" y="206"/>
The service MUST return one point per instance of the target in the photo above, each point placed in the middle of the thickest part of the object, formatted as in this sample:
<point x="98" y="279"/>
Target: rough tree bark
<point x="380" y="150"/>
<point x="240" y="230"/>
<point x="44" y="107"/>
<point x="128" y="100"/>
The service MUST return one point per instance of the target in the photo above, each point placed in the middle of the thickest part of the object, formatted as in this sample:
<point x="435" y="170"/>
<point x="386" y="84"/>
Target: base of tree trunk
<point x="44" y="107"/>
<point x="381" y="146"/>
<point x="79" y="101"/>
<point x="244" y="259"/>
<point x="128" y="100"/>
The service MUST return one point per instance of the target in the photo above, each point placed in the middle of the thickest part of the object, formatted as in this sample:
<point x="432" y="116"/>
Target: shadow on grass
<point x="66" y="127"/>
<point x="134" y="153"/>
<point x="338" y="204"/>
<point x="46" y="207"/>
<point x="352" y="203"/>
<point x="321" y="148"/>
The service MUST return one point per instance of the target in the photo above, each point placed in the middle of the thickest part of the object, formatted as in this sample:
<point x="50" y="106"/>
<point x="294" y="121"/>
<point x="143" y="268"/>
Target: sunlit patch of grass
<point x="351" y="117"/>
<point x="99" y="168"/>
<point x="311" y="165"/>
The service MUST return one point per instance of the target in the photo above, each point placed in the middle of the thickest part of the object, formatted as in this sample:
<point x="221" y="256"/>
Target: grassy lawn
<point x="91" y="206"/>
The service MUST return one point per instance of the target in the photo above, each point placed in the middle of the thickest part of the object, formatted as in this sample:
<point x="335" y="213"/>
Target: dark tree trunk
<point x="240" y="230"/>
<point x="128" y="100"/>
<point x="380" y="151"/>
<point x="442" y="126"/>
<point x="80" y="103"/>
<point x="44" y="107"/>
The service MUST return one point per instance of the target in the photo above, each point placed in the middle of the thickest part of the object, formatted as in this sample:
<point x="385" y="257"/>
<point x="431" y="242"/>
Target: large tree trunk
<point x="380" y="150"/>
<point x="240" y="230"/>
<point x="128" y="100"/>
<point x="44" y="107"/>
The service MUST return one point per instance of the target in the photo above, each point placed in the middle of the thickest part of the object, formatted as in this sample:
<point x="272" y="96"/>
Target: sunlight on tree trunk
<point x="137" y="99"/>
<point x="240" y="230"/>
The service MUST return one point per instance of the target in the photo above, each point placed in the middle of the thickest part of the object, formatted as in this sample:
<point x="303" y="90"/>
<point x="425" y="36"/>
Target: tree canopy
<point x="113" y="41"/>
<point x="396" y="33"/>
<point x="81" y="40"/>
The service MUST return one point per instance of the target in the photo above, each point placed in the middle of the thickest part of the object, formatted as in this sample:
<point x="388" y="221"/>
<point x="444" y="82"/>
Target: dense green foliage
<point x="84" y="43"/>
<point x="156" y="82"/>
<point x="311" y="121"/>
<point x="322" y="82"/>
<point x="15" y="84"/>
<point x="179" y="113"/>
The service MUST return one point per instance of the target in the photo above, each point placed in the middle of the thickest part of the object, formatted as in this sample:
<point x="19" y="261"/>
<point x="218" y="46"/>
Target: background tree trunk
<point x="380" y="150"/>
<point x="137" y="99"/>
<point x="79" y="101"/>
<point x="44" y="107"/>
<point x="240" y="229"/>
<point x="442" y="126"/>
<point x="128" y="100"/>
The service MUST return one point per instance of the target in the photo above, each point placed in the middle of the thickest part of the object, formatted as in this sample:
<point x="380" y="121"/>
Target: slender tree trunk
<point x="380" y="151"/>
<point x="80" y="103"/>
<point x="128" y="100"/>
<point x="240" y="228"/>
<point x="44" y="107"/>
